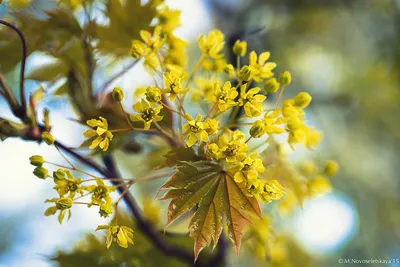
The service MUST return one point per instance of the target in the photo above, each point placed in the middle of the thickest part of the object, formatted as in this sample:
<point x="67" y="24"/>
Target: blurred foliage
<point x="347" y="53"/>
<point x="92" y="252"/>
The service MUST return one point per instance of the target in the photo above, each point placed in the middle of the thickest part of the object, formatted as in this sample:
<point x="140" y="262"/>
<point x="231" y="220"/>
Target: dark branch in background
<point x="21" y="112"/>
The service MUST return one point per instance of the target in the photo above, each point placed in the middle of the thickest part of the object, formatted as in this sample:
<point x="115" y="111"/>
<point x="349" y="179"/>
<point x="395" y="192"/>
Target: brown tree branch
<point x="23" y="63"/>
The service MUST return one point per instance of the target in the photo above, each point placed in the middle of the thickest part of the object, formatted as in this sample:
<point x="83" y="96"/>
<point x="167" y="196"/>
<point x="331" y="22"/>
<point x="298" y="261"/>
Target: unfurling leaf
<point x="178" y="154"/>
<point x="206" y="185"/>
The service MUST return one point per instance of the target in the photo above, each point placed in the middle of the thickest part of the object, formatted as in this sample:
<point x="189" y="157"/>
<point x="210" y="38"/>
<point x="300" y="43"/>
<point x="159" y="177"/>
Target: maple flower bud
<point x="240" y="48"/>
<point x="105" y="210"/>
<point x="138" y="49"/>
<point x="245" y="73"/>
<point x="271" y="86"/>
<point x="229" y="69"/>
<point x="285" y="78"/>
<point x="302" y="100"/>
<point x="117" y="94"/>
<point x="258" y="129"/>
<point x="64" y="203"/>
<point x="59" y="175"/>
<point x="331" y="168"/>
<point x="48" y="138"/>
<point x="36" y="160"/>
<point x="153" y="94"/>
<point x="46" y="119"/>
<point x="309" y="167"/>
<point x="41" y="172"/>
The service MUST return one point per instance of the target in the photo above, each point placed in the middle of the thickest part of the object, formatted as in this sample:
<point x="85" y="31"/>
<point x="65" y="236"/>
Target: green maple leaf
<point x="126" y="19"/>
<point x="204" y="184"/>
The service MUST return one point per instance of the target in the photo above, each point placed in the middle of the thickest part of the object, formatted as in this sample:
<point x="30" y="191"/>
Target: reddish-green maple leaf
<point x="204" y="184"/>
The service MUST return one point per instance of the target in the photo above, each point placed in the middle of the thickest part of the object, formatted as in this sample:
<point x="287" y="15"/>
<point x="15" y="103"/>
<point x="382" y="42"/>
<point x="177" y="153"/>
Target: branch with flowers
<point x="213" y="118"/>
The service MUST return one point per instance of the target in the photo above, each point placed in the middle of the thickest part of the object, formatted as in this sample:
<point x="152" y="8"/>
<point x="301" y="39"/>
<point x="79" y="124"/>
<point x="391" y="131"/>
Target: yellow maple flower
<point x="272" y="190"/>
<point x="173" y="81"/>
<point x="62" y="204"/>
<point x="214" y="65"/>
<point x="251" y="100"/>
<point x="206" y="86"/>
<point x="153" y="94"/>
<point x="269" y="125"/>
<point x="176" y="53"/>
<point x="154" y="40"/>
<point x="169" y="19"/>
<point x="212" y="126"/>
<point x="224" y="97"/>
<point x="100" y="129"/>
<point x="319" y="185"/>
<point x="240" y="48"/>
<point x="148" y="113"/>
<point x="195" y="130"/>
<point x="212" y="44"/>
<point x="331" y="167"/>
<point x="231" y="146"/>
<point x="248" y="168"/>
<point x="122" y="235"/>
<point x="67" y="183"/>
<point x="100" y="196"/>
<point x="261" y="69"/>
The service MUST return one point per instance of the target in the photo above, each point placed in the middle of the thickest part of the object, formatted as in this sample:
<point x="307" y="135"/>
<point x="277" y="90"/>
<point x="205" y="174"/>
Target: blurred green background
<point x="345" y="53"/>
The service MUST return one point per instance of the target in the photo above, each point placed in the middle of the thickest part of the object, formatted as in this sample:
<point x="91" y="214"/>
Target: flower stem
<point x="279" y="97"/>
<point x="173" y="110"/>
<point x="71" y="168"/>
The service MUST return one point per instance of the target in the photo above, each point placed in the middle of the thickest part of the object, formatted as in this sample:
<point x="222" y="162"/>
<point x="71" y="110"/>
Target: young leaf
<point x="178" y="154"/>
<point x="127" y="18"/>
<point x="206" y="185"/>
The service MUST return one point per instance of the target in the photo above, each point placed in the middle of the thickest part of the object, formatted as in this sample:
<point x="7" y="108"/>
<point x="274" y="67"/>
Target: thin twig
<point x="173" y="110"/>
<point x="71" y="168"/>
<point x="209" y="112"/>
<point x="126" y="190"/>
<point x="117" y="75"/>
<point x="279" y="97"/>
<point x="163" y="132"/>
<point x="125" y="115"/>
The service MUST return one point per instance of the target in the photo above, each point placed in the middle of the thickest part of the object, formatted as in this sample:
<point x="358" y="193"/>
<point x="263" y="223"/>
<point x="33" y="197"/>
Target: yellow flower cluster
<point x="67" y="187"/>
<point x="150" y="44"/>
<point x="230" y="97"/>
<point x="316" y="182"/>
